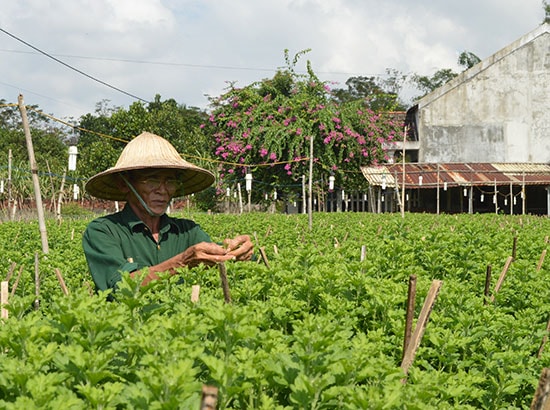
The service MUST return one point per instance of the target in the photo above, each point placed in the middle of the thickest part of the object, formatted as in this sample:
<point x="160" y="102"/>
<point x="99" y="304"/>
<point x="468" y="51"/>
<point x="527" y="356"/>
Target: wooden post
<point x="514" y="247"/>
<point x="61" y="281"/>
<point x="4" y="292"/>
<point x="410" y="314"/>
<point x="10" y="198"/>
<point x="225" y="284"/>
<point x="363" y="253"/>
<point x="34" y="171"/>
<point x="502" y="276"/>
<point x="487" y="284"/>
<point x="421" y="325"/>
<point x="209" y="399"/>
<point x="541" y="400"/>
<point x="195" y="290"/>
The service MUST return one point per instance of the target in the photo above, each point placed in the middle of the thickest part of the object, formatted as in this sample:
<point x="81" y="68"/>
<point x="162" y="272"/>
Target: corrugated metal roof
<point x="431" y="175"/>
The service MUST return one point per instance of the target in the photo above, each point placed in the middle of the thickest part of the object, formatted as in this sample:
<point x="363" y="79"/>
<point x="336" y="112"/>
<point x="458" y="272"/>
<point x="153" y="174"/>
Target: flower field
<point x="317" y="327"/>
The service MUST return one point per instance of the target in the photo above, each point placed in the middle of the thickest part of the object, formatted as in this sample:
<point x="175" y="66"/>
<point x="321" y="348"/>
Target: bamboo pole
<point x="60" y="198"/>
<point x="264" y="256"/>
<point x="34" y="171"/>
<point x="14" y="287"/>
<point x="36" y="282"/>
<point x="61" y="281"/>
<point x="10" y="271"/>
<point x="10" y="198"/>
<point x="421" y="325"/>
<point x="410" y="314"/>
<point x="514" y="247"/>
<point x="225" y="284"/>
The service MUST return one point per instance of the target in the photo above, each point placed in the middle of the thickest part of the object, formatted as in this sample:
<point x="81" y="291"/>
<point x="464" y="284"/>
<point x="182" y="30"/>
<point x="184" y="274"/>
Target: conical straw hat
<point x="148" y="151"/>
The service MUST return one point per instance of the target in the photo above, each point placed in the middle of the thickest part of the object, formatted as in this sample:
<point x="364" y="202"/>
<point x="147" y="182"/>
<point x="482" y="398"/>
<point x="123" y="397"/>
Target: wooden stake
<point x="225" y="284"/>
<point x="4" y="292"/>
<point x="514" y="246"/>
<point x="502" y="276"/>
<point x="61" y="282"/>
<point x="363" y="253"/>
<point x="36" y="282"/>
<point x="14" y="287"/>
<point x="209" y="399"/>
<point x="541" y="400"/>
<point x="544" y="339"/>
<point x="541" y="259"/>
<point x="10" y="271"/>
<point x="264" y="256"/>
<point x="275" y="250"/>
<point x="410" y="313"/>
<point x="421" y="325"/>
<point x="487" y="284"/>
<point x="195" y="290"/>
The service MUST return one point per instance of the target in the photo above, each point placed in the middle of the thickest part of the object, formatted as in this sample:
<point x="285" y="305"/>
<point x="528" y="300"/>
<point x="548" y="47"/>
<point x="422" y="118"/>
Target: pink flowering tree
<point x="265" y="128"/>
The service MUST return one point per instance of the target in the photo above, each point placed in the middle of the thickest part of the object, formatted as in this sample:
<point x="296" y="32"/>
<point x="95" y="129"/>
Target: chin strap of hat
<point x="140" y="199"/>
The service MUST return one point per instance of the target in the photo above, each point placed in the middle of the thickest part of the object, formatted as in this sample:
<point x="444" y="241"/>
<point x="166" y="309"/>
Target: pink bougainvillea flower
<point x="273" y="156"/>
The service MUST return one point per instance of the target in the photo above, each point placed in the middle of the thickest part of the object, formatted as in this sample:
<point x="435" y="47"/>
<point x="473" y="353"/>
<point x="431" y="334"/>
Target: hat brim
<point x="106" y="184"/>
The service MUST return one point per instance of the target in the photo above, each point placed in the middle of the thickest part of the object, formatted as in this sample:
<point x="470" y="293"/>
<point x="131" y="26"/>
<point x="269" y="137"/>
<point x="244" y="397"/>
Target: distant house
<point x="491" y="120"/>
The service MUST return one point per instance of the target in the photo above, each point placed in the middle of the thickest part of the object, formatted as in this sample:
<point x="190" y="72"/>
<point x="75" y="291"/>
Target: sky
<point x="122" y="51"/>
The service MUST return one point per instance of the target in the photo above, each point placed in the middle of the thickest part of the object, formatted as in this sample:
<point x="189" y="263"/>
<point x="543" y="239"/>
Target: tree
<point x="379" y="94"/>
<point x="266" y="128"/>
<point x="467" y="59"/>
<point x="546" y="7"/>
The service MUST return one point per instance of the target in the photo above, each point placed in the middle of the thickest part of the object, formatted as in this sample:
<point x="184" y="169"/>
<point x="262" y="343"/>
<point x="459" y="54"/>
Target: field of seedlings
<point x="318" y="323"/>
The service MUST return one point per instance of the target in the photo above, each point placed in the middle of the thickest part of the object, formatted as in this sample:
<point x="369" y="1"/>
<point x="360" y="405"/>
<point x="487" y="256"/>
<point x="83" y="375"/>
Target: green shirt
<point x="121" y="242"/>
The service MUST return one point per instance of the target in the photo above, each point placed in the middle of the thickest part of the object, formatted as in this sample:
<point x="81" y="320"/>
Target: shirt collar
<point x="133" y="221"/>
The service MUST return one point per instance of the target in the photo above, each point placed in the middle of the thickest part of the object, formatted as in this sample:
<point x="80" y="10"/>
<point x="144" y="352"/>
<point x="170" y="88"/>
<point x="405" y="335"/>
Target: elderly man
<point x="147" y="175"/>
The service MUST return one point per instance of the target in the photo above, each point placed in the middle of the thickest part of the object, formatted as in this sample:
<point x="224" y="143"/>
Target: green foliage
<point x="267" y="127"/>
<point x="319" y="329"/>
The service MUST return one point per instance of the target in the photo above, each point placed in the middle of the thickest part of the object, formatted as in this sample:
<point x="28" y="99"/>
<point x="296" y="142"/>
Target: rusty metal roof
<point x="432" y="175"/>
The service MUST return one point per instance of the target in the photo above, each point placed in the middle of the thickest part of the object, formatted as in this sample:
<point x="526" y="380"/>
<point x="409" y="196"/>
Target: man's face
<point x="156" y="188"/>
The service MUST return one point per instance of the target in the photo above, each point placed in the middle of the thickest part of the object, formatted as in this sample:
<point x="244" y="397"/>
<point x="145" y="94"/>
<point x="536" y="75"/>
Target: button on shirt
<point x="121" y="242"/>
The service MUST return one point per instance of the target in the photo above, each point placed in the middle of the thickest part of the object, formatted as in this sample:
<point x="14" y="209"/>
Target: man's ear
<point x="121" y="185"/>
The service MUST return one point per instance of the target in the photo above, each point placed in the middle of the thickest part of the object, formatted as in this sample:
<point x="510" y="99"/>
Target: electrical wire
<point x="73" y="68"/>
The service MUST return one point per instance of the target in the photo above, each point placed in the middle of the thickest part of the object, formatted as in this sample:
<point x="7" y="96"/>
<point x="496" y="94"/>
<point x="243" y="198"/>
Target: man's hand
<point x="241" y="247"/>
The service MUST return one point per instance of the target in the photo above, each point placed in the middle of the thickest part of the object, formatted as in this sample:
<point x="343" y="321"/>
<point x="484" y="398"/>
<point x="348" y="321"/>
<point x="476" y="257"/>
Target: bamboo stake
<point x="34" y="171"/>
<point x="410" y="313"/>
<point x="14" y="287"/>
<point x="209" y="399"/>
<point x="541" y="400"/>
<point x="421" y="325"/>
<point x="275" y="250"/>
<point x="4" y="292"/>
<point x="225" y="284"/>
<point x="264" y="256"/>
<point x="487" y="284"/>
<point x="514" y="246"/>
<point x="544" y="339"/>
<point x="195" y="290"/>
<point x="541" y="259"/>
<point x="502" y="276"/>
<point x="36" y="282"/>
<point x="10" y="271"/>
<point x="61" y="281"/>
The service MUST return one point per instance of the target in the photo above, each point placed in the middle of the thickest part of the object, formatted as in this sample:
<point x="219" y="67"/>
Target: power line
<point x="72" y="68"/>
<point x="164" y="63"/>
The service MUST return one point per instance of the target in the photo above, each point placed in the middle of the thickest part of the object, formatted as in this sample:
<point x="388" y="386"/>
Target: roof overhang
<point x="432" y="175"/>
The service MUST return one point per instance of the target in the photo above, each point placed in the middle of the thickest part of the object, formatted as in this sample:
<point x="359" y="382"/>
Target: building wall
<point x="497" y="111"/>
